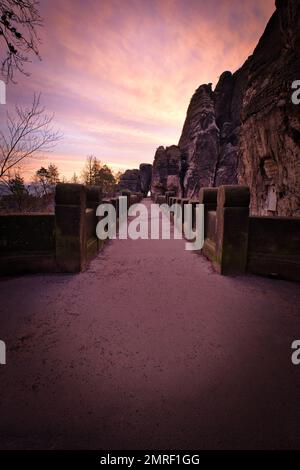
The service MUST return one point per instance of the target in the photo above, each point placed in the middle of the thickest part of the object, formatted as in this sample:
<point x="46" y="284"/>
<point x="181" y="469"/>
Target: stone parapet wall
<point x="274" y="247"/>
<point x="27" y="243"/>
<point x="64" y="241"/>
<point x="237" y="243"/>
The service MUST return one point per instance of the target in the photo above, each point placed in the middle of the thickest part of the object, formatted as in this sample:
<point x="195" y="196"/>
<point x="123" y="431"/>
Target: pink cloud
<point x="119" y="74"/>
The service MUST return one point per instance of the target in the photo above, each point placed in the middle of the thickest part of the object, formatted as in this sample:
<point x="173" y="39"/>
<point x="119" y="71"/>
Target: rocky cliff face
<point x="247" y="130"/>
<point x="269" y="143"/>
<point x="210" y="134"/>
<point x="200" y="142"/>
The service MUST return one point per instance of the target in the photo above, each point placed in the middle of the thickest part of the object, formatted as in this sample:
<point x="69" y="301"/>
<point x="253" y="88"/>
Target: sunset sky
<point x="119" y="74"/>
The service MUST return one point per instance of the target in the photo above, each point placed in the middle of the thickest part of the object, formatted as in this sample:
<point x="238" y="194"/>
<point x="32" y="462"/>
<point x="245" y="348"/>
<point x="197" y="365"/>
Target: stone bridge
<point x="148" y="347"/>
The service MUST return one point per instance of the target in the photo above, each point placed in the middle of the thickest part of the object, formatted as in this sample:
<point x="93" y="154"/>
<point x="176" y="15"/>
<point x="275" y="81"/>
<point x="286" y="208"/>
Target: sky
<point x="119" y="74"/>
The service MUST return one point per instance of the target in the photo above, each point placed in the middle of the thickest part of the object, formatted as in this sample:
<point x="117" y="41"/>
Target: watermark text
<point x="296" y="93"/>
<point x="296" y="354"/>
<point x="2" y="353"/>
<point x="188" y="222"/>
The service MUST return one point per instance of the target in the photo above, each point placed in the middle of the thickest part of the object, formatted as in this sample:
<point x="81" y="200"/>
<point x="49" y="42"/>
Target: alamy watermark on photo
<point x="2" y="353"/>
<point x="296" y="93"/>
<point x="296" y="354"/>
<point x="188" y="222"/>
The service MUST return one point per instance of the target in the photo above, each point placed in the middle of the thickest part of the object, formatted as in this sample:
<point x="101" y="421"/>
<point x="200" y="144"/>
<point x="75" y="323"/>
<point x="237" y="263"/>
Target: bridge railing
<point x="27" y="243"/>
<point x="64" y="241"/>
<point x="238" y="243"/>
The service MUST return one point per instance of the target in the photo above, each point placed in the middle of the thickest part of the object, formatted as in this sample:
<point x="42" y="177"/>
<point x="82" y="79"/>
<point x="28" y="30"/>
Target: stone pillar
<point x="93" y="200"/>
<point x="93" y="197"/>
<point x="70" y="207"/>
<point x="232" y="225"/>
<point x="168" y="195"/>
<point x="208" y="197"/>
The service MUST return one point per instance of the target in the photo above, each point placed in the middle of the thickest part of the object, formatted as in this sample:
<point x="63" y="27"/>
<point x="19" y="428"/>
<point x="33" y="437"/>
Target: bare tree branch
<point x="19" y="21"/>
<point x="28" y="134"/>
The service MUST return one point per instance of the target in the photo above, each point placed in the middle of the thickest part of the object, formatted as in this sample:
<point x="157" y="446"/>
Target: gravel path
<point x="149" y="348"/>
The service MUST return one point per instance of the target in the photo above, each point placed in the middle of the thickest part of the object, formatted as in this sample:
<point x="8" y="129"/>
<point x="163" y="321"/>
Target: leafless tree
<point x="28" y="134"/>
<point x="19" y="21"/>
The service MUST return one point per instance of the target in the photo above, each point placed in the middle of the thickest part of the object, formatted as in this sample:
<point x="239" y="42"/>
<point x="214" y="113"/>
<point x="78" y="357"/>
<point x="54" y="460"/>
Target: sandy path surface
<point x="149" y="348"/>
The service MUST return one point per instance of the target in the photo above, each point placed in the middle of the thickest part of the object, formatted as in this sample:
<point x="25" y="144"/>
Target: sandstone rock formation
<point x="137" y="180"/>
<point x="130" y="180"/>
<point x="210" y="134"/>
<point x="269" y="144"/>
<point x="145" y="177"/>
<point x="200" y="142"/>
<point x="247" y="130"/>
<point x="166" y="170"/>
